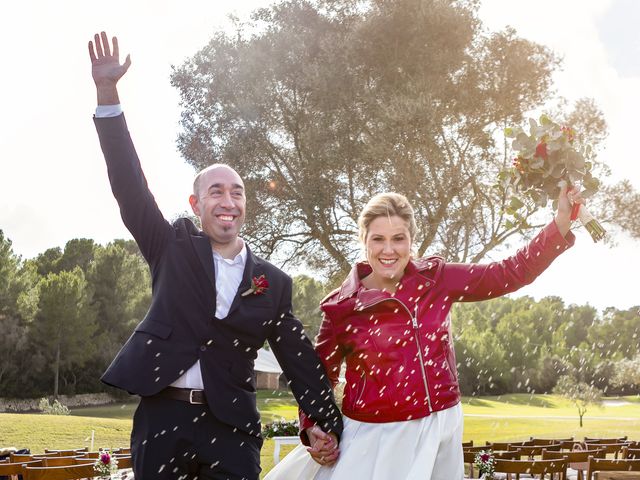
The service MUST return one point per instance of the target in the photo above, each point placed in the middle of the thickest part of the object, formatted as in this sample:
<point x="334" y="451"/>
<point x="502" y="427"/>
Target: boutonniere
<point x="259" y="285"/>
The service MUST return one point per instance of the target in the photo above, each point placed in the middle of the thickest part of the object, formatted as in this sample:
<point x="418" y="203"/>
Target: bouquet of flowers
<point x="106" y="464"/>
<point x="485" y="462"/>
<point x="546" y="156"/>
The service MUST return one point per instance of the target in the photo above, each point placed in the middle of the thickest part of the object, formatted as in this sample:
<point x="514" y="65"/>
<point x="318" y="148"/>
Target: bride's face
<point x="388" y="248"/>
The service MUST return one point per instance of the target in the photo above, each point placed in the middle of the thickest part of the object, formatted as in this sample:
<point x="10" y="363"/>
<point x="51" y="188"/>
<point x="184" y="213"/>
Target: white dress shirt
<point x="228" y="278"/>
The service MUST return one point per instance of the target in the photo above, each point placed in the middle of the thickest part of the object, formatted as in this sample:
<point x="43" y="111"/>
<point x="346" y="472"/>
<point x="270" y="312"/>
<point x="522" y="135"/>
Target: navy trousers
<point x="172" y="439"/>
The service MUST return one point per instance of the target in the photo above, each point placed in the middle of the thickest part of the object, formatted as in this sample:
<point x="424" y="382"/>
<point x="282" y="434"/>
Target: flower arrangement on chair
<point x="106" y="464"/>
<point x="485" y="462"/>
<point x="281" y="428"/>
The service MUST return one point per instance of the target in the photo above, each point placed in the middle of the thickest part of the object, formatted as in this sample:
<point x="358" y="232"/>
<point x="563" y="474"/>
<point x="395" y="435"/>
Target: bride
<point x="390" y="322"/>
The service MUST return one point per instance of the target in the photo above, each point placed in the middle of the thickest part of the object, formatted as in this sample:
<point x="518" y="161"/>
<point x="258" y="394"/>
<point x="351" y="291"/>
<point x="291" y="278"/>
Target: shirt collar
<point x="239" y="259"/>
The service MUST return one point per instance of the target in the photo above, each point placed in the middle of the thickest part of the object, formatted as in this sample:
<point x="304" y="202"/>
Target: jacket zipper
<point x="414" y="322"/>
<point x="363" y="378"/>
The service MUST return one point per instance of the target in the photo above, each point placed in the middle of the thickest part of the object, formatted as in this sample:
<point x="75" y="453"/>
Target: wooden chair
<point x="613" y="449"/>
<point x="597" y="465"/>
<point x="479" y="448"/>
<point x="534" y="451"/>
<point x="578" y="460"/>
<point x="470" y="457"/>
<point x="69" y="472"/>
<point x="605" y="440"/>
<point x="124" y="461"/>
<point x="10" y="469"/>
<point x="550" y="441"/>
<point x="20" y="457"/>
<point x="58" y="461"/>
<point x="467" y="444"/>
<point x="631" y="453"/>
<point x="67" y="453"/>
<point x="505" y="445"/>
<point x="93" y="455"/>
<point x="532" y="467"/>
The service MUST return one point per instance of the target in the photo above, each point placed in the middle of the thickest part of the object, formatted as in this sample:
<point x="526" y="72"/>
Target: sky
<point x="53" y="182"/>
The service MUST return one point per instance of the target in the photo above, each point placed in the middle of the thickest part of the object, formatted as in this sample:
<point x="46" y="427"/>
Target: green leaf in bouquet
<point x="542" y="199"/>
<point x="536" y="163"/>
<point x="532" y="125"/>
<point x="591" y="184"/>
<point x="550" y="187"/>
<point x="557" y="170"/>
<point x="574" y="176"/>
<point x="516" y="203"/>
<point x="555" y="144"/>
<point x="588" y="166"/>
<point x="545" y="120"/>
<point x="509" y="132"/>
<point x="575" y="161"/>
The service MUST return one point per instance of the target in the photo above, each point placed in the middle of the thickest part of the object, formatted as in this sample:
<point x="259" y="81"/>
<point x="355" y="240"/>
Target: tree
<point x="16" y="281"/>
<point x="121" y="294"/>
<point x="627" y="373"/>
<point x="319" y="104"/>
<point x="581" y="394"/>
<point x="307" y="294"/>
<point x="64" y="323"/>
<point x="78" y="252"/>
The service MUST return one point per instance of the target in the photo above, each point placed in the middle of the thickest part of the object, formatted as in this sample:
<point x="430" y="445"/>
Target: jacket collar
<point x="413" y="284"/>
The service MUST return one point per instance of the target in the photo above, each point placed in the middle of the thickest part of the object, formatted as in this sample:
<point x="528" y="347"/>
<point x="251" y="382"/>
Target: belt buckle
<point x="191" y="400"/>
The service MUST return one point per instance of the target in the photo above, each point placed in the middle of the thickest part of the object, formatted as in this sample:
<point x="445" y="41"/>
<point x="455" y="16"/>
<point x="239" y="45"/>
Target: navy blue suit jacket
<point x="180" y="326"/>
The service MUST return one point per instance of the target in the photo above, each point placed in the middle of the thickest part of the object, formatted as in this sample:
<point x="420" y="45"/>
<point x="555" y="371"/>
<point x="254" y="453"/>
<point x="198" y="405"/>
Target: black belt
<point x="194" y="397"/>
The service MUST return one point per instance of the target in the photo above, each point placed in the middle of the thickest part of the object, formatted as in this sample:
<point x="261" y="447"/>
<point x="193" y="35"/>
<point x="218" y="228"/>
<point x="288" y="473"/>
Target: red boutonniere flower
<point x="259" y="285"/>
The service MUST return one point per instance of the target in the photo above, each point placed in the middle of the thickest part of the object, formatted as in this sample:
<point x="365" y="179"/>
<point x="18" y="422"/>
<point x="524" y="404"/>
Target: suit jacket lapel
<point x="252" y="268"/>
<point x="205" y="255"/>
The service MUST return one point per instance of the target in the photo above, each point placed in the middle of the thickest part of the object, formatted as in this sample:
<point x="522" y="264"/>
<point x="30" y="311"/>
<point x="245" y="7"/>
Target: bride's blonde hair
<point x="387" y="204"/>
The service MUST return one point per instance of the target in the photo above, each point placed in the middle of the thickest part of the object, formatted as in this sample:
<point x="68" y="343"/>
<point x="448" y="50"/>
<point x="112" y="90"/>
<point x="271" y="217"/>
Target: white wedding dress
<point x="428" y="448"/>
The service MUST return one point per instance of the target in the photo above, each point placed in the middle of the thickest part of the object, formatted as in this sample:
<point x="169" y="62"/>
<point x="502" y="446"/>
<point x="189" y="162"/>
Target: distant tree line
<point x="65" y="313"/>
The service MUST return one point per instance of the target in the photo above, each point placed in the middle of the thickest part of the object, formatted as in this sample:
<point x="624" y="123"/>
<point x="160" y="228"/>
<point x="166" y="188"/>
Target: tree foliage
<point x="319" y="104"/>
<point x="64" y="322"/>
<point x="307" y="294"/>
<point x="581" y="394"/>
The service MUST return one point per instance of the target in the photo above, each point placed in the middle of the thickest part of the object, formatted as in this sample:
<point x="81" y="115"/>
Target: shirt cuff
<point x="104" y="111"/>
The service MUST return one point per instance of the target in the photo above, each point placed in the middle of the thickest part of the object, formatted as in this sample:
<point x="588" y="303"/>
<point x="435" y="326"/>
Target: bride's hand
<point x="324" y="446"/>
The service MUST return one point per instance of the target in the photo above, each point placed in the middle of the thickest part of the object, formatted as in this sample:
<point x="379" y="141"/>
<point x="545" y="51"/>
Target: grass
<point x="509" y="417"/>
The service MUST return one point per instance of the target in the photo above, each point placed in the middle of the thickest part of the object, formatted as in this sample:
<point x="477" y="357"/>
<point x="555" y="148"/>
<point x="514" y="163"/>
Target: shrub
<point x="52" y="409"/>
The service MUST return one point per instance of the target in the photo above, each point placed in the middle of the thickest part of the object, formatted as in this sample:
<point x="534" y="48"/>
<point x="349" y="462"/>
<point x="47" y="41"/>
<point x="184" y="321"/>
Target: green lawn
<point x="511" y="417"/>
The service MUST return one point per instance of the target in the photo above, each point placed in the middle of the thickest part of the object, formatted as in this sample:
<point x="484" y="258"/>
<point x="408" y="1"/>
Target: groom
<point x="214" y="305"/>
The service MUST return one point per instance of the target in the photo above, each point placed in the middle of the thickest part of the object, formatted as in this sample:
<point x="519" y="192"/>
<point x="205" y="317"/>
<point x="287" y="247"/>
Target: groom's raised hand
<point x="106" y="69"/>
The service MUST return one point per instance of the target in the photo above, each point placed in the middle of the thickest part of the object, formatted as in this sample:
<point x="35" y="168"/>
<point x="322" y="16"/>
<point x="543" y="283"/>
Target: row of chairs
<point x="557" y="457"/>
<point x="59" y="464"/>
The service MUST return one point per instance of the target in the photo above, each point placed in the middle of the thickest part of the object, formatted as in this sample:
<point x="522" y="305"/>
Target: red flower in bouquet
<point x="259" y="285"/>
<point x="547" y="156"/>
<point x="541" y="151"/>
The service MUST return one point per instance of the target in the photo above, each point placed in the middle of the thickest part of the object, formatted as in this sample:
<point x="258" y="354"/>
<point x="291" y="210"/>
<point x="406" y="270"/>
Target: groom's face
<point x="219" y="201"/>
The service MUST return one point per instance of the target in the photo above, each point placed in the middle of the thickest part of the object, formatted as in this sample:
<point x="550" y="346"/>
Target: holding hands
<point x="324" y="446"/>
<point x="106" y="69"/>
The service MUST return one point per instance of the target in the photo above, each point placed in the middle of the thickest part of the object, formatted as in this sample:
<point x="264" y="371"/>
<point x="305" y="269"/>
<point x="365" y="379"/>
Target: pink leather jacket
<point x="398" y="347"/>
